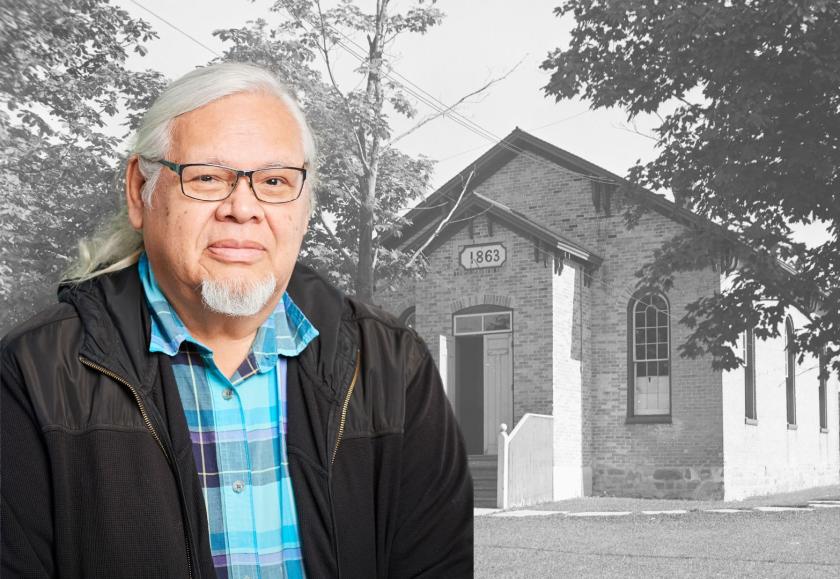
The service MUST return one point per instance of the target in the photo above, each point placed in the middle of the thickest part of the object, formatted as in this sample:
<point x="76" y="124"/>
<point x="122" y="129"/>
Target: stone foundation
<point x="698" y="483"/>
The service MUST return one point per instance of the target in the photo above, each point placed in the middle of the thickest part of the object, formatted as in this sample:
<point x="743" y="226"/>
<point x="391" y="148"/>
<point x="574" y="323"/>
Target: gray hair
<point x="117" y="245"/>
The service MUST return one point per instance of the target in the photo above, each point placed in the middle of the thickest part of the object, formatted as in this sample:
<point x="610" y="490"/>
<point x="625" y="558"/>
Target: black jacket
<point x="98" y="476"/>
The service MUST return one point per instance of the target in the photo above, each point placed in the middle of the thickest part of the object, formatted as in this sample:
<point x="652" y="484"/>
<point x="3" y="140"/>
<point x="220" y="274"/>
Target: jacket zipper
<point x="342" y="421"/>
<point x="346" y="405"/>
<point x="151" y="428"/>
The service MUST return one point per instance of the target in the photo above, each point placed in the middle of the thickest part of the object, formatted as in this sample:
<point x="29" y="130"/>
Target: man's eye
<point x="275" y="182"/>
<point x="207" y="178"/>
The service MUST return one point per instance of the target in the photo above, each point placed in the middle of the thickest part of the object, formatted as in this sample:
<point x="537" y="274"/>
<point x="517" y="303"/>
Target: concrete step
<point x="483" y="469"/>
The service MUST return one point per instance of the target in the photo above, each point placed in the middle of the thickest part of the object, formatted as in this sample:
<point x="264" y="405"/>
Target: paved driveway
<point x="748" y="543"/>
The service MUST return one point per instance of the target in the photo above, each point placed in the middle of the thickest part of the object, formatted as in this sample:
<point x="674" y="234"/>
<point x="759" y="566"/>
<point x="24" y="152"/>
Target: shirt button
<point x="227" y="393"/>
<point x="238" y="486"/>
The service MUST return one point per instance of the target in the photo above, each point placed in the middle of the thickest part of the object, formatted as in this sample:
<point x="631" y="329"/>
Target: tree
<point x="62" y="83"/>
<point x="366" y="181"/>
<point x="747" y="93"/>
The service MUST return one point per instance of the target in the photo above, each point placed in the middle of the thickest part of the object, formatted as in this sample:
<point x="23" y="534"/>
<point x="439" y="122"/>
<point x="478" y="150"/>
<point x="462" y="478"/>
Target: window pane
<point x="497" y="322"/>
<point x="651" y="335"/>
<point x="641" y="396"/>
<point x="823" y="407"/>
<point x="651" y="396"/>
<point x="663" y="398"/>
<point x="650" y="352"/>
<point x="650" y="317"/>
<point x="640" y="352"/>
<point x="640" y="317"/>
<point x="465" y="324"/>
<point x="640" y="337"/>
<point x="663" y="368"/>
<point x="662" y="351"/>
<point x="662" y="335"/>
<point x="659" y="303"/>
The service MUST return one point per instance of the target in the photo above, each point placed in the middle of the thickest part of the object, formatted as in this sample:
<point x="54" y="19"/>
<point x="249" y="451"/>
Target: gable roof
<point x="423" y="217"/>
<point x="475" y="204"/>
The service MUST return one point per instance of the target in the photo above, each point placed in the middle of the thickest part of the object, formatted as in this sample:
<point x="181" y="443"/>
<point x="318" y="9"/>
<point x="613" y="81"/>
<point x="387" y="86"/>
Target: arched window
<point x="408" y="317"/>
<point x="790" y="372"/>
<point x="649" y="368"/>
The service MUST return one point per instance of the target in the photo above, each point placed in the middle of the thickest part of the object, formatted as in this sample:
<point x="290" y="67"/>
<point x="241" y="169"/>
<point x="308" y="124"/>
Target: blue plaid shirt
<point x="238" y="431"/>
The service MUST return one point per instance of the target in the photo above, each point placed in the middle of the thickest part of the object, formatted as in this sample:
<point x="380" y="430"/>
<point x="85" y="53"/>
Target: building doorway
<point x="483" y="396"/>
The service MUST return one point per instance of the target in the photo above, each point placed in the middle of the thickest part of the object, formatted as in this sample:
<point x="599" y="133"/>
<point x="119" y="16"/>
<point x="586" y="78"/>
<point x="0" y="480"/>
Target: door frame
<point x="493" y="327"/>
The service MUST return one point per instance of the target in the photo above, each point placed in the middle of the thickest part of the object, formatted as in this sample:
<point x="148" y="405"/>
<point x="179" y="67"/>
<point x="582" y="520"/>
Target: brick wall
<point x="399" y="298"/>
<point x="520" y="283"/>
<point x="684" y="458"/>
<point x="581" y="320"/>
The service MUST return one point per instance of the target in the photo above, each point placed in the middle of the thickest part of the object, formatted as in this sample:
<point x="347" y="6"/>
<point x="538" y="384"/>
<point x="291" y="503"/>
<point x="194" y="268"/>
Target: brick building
<point x="529" y="306"/>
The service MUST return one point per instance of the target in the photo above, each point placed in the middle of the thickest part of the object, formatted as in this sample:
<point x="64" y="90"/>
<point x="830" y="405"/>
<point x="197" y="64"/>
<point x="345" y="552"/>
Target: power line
<point x="174" y="27"/>
<point x="411" y="88"/>
<point x="432" y="102"/>
<point x="563" y="120"/>
<point x="551" y="124"/>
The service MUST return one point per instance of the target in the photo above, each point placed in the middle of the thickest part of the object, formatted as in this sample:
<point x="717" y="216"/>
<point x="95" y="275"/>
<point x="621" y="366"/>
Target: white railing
<point x="526" y="462"/>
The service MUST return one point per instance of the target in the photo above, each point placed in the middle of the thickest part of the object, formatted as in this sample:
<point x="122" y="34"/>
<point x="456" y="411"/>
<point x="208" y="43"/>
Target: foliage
<point x="365" y="181"/>
<point x="62" y="82"/>
<point x="750" y="127"/>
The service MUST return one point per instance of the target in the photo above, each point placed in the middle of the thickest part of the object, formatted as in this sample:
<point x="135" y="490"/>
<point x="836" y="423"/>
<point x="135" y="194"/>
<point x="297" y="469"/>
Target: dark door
<point x="469" y="357"/>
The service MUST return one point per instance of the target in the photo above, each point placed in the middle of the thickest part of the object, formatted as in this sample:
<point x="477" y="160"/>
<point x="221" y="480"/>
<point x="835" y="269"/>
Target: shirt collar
<point x="285" y="332"/>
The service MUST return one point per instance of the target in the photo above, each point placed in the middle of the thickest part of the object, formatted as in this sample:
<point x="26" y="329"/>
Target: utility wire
<point x="422" y="95"/>
<point x="174" y="27"/>
<point x="358" y="52"/>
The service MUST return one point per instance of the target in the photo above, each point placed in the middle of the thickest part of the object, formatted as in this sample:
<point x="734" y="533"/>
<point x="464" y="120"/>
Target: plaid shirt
<point x="238" y="431"/>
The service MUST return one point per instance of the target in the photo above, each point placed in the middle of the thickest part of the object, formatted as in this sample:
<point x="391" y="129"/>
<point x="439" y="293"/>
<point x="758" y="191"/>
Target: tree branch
<point x="443" y="221"/>
<point x="351" y="194"/>
<point x="635" y="131"/>
<point x="443" y="112"/>
<point x="338" y="243"/>
<point x="325" y="53"/>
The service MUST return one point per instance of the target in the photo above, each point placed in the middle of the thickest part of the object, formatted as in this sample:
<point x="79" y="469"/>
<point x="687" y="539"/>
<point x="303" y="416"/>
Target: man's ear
<point x="134" y="182"/>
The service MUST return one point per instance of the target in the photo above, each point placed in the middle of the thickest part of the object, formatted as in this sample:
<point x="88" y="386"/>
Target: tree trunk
<point x="365" y="275"/>
<point x="364" y="270"/>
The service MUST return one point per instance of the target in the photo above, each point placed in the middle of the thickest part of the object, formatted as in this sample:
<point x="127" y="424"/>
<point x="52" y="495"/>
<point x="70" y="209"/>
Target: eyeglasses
<point x="208" y="182"/>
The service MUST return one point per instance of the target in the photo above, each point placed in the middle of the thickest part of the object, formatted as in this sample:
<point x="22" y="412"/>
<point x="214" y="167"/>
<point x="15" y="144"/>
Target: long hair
<point x="117" y="244"/>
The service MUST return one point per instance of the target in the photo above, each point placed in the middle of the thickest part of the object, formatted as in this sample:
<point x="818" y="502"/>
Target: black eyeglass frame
<point x="178" y="169"/>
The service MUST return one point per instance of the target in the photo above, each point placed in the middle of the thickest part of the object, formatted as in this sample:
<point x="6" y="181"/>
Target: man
<point x="198" y="405"/>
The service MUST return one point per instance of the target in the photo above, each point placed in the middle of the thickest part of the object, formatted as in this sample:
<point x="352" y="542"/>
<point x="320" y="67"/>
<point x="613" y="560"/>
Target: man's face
<point x="239" y="239"/>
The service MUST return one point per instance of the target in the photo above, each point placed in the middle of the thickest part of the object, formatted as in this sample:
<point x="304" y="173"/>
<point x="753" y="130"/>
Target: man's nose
<point x="241" y="205"/>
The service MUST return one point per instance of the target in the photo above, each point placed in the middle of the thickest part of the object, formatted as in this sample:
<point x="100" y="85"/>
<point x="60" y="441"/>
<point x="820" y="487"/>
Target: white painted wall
<point x="567" y="394"/>
<point x="767" y="457"/>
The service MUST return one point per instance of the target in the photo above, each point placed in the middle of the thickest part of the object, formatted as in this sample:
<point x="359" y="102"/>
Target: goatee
<point x="237" y="297"/>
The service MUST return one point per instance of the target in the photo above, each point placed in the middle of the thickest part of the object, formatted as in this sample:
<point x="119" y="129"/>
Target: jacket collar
<point x="117" y="329"/>
<point x="116" y="324"/>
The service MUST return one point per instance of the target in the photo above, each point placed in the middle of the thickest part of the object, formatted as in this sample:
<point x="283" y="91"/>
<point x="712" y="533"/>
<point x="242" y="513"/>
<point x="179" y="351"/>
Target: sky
<point x="479" y="40"/>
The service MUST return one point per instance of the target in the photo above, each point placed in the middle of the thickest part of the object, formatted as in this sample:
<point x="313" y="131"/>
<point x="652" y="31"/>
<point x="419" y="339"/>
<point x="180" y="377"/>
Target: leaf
<point x="754" y="149"/>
